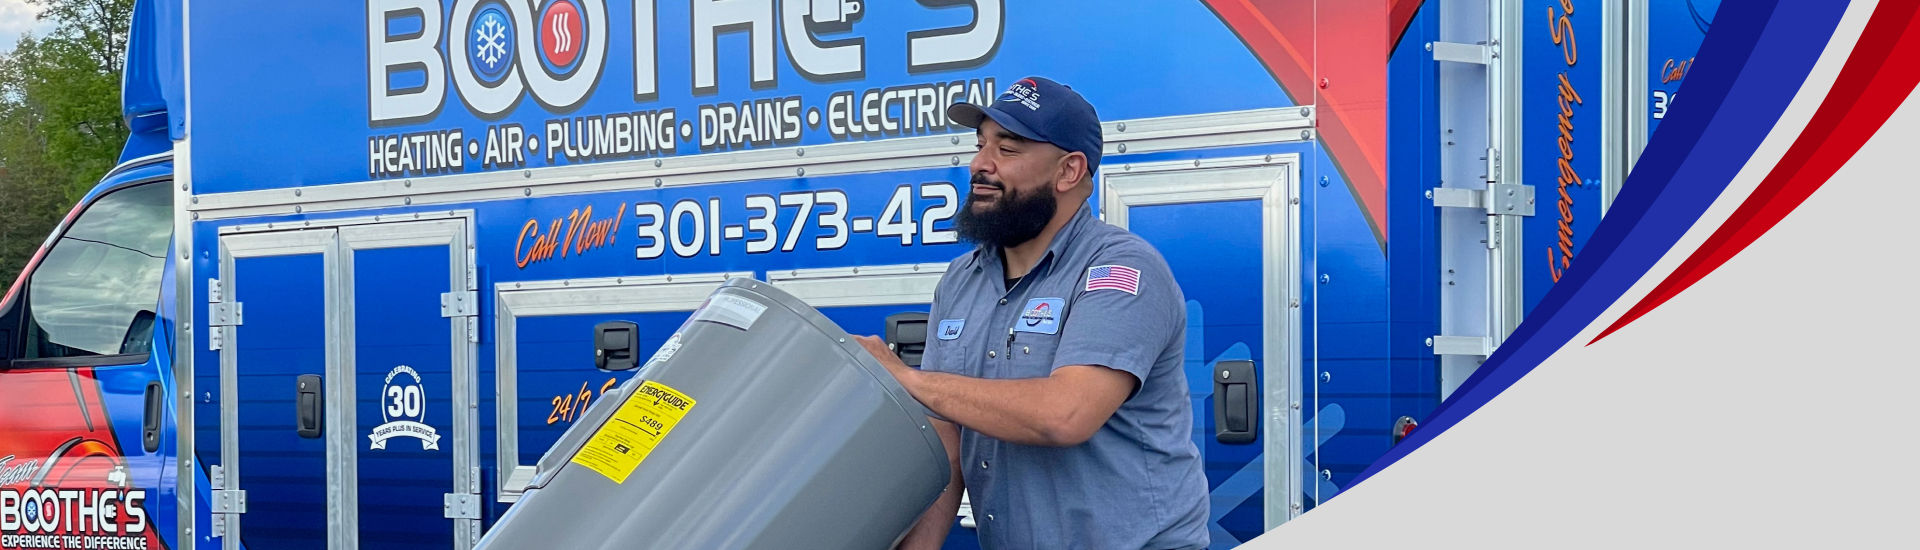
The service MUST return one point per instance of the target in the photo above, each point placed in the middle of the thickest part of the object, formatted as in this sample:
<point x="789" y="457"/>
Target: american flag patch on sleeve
<point x="1114" y="277"/>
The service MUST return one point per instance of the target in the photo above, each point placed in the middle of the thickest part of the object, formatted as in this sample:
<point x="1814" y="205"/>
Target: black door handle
<point x="907" y="333"/>
<point x="1236" y="402"/>
<point x="309" y="406"/>
<point x="150" y="423"/>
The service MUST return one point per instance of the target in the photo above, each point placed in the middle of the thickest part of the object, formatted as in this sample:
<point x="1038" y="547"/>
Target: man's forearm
<point x="1029" y="411"/>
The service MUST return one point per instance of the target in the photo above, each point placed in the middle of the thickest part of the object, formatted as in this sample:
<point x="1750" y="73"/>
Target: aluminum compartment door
<point x="405" y="400"/>
<point x="277" y="286"/>
<point x="1225" y="233"/>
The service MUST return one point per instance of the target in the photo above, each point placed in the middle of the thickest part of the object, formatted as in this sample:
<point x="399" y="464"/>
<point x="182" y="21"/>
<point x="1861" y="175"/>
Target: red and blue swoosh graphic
<point x="1753" y="64"/>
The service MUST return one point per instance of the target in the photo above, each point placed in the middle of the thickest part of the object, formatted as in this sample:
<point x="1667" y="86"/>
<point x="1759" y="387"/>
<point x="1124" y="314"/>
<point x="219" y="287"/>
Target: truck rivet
<point x="1323" y="181"/>
<point x="196" y="200"/>
<point x="526" y="173"/>
<point x="526" y="191"/>
<point x="1196" y="163"/>
<point x="296" y="192"/>
<point x="183" y="187"/>
<point x="657" y="163"/>
<point x="954" y="140"/>
<point x="1296" y="405"/>
<point x="1429" y="342"/>
<point x="801" y="152"/>
<point x="409" y="200"/>
<point x="800" y="171"/>
<point x="1123" y="147"/>
<point x="407" y="183"/>
<point x="1325" y="278"/>
<point x="1429" y="46"/>
<point x="1121" y="126"/>
<point x="657" y="182"/>
<point x="298" y="210"/>
<point x="1429" y="194"/>
<point x="956" y="160"/>
<point x="196" y="215"/>
<point x="1306" y="111"/>
<point x="843" y="340"/>
<point x="1306" y="134"/>
<point x="1326" y="377"/>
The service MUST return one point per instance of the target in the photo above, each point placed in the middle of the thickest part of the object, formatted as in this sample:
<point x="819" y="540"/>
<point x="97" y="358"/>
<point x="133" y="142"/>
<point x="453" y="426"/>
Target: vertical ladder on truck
<point x="1481" y="199"/>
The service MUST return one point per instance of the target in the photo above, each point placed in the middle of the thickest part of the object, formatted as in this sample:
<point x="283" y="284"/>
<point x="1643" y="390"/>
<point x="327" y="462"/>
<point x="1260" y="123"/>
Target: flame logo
<point x="562" y="36"/>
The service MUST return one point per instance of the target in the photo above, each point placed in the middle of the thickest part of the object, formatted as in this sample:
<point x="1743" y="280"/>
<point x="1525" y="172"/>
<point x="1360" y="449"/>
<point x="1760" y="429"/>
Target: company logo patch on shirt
<point x="950" y="328"/>
<point x="1042" y="315"/>
<point x="1114" y="277"/>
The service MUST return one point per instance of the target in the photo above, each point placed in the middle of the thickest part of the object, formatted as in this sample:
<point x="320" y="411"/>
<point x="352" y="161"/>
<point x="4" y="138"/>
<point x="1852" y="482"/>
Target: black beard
<point x="1012" y="219"/>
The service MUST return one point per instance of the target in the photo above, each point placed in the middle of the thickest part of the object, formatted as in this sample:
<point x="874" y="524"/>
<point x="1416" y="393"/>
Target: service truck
<point x="339" y="292"/>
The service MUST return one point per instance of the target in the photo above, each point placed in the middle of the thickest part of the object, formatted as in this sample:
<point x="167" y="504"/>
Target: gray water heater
<point x="760" y="424"/>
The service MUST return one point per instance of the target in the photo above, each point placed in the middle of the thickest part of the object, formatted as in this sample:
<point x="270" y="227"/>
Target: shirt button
<point x="989" y="517"/>
<point x="983" y="464"/>
<point x="1003" y="301"/>
<point x="992" y="354"/>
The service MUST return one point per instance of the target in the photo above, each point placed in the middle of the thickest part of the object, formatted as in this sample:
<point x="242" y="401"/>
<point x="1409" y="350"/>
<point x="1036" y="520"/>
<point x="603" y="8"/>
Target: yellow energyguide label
<point x="633" y="432"/>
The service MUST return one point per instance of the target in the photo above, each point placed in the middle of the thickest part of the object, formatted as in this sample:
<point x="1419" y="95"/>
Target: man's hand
<point x="894" y="365"/>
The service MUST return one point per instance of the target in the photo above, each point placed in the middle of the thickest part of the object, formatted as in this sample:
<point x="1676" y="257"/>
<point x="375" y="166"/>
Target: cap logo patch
<point x="1025" y="92"/>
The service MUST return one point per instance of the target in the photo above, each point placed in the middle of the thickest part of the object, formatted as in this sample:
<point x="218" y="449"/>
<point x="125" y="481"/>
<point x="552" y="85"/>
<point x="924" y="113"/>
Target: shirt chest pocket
<point x="1030" y="355"/>
<point x="948" y="351"/>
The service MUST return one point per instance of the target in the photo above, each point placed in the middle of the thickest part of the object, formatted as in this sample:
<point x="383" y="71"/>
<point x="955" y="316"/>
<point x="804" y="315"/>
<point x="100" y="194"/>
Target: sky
<point x="17" y="18"/>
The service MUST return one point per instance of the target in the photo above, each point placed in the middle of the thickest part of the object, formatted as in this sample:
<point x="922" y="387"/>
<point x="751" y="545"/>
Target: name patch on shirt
<point x="1041" y="315"/>
<point x="950" y="328"/>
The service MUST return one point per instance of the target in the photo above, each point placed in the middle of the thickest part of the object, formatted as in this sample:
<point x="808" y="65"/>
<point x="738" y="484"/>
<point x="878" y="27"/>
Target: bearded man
<point x="1056" y="373"/>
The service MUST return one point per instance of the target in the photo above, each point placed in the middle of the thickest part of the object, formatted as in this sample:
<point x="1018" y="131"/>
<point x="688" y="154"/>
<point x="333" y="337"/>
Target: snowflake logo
<point x="490" y="40"/>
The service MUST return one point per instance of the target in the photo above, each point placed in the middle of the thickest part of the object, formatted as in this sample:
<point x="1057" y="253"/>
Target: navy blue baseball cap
<point x="1041" y="110"/>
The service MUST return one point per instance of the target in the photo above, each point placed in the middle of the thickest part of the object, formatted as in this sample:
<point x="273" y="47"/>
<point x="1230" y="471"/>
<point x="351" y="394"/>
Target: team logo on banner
<point x="403" y="408"/>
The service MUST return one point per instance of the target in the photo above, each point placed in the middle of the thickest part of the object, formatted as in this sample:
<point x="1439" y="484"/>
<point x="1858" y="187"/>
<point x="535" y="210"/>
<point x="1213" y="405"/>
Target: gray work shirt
<point x="1100" y="296"/>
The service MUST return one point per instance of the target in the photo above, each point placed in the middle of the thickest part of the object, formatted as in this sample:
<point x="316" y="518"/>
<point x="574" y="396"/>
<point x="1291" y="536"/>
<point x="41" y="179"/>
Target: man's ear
<point x="1072" y="171"/>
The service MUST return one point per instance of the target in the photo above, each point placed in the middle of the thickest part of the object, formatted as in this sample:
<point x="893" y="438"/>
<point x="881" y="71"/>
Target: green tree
<point x="60" y="122"/>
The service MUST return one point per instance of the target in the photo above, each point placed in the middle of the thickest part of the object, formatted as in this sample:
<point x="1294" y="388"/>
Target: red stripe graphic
<point x="1328" y="54"/>
<point x="1882" y="71"/>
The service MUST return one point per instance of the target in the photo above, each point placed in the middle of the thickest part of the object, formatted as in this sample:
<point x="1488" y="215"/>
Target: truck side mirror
<point x="10" y="347"/>
<point x="907" y="336"/>
<point x="615" y="346"/>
